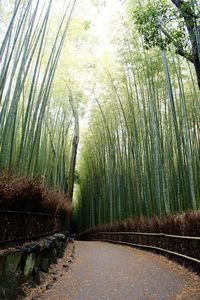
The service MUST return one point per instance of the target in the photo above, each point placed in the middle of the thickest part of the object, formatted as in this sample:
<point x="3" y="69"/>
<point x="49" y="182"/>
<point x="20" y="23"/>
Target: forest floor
<point x="114" y="272"/>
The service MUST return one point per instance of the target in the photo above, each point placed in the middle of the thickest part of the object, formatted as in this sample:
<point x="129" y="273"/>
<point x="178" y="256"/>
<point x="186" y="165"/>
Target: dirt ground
<point x="97" y="270"/>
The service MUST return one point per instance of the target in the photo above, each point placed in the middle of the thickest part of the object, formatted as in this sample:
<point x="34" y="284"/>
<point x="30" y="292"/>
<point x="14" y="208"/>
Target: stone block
<point x="2" y="260"/>
<point x="9" y="285"/>
<point x="38" y="259"/>
<point x="45" y="264"/>
<point x="36" y="275"/>
<point x="53" y="256"/>
<point x="12" y="261"/>
<point x="29" y="265"/>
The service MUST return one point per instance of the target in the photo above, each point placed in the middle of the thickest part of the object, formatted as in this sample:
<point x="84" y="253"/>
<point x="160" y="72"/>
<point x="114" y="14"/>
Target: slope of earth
<point x="107" y="271"/>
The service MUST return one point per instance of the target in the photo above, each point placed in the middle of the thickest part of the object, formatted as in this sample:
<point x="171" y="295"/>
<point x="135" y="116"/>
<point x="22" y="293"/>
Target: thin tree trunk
<point x="75" y="142"/>
<point x="197" y="69"/>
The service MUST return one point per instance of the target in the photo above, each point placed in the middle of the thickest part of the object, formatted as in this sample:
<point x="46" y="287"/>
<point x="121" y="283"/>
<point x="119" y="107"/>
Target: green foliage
<point x="34" y="117"/>
<point x="140" y="155"/>
<point x="99" y="2"/>
<point x="160" y="24"/>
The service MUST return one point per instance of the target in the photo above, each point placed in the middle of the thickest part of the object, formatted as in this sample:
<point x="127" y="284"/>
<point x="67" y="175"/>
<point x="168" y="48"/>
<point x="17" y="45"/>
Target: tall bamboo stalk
<point x="140" y="157"/>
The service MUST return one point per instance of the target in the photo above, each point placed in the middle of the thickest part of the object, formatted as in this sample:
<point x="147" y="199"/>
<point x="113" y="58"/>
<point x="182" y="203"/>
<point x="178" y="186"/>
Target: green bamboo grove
<point x="141" y="154"/>
<point x="34" y="127"/>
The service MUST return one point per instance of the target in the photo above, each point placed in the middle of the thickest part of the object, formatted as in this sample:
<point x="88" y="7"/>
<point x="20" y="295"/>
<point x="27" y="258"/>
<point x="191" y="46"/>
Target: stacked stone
<point x="28" y="262"/>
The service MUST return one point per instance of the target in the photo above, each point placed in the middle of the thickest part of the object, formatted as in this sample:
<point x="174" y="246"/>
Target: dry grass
<point x="25" y="194"/>
<point x="177" y="224"/>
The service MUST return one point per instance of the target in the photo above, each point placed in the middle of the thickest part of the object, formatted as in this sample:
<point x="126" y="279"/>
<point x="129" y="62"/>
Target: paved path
<point x="115" y="272"/>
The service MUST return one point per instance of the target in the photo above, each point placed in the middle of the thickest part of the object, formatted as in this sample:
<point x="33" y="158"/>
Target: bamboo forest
<point x="141" y="154"/>
<point x="99" y="117"/>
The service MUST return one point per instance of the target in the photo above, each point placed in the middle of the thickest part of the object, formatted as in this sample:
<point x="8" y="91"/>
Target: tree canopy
<point x="176" y="23"/>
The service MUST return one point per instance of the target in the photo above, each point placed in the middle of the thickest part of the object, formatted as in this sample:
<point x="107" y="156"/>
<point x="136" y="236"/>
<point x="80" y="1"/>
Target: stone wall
<point x="28" y="262"/>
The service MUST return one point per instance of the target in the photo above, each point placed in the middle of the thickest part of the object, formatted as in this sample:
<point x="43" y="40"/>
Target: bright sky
<point x="100" y="26"/>
<point x="100" y="18"/>
<point x="102" y="22"/>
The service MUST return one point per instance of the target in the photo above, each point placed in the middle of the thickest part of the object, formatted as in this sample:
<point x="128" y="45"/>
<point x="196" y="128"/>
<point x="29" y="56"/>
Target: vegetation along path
<point x="107" y="271"/>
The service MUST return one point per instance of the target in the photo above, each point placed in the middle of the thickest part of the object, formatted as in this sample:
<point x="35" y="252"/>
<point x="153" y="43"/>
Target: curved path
<point x="114" y="272"/>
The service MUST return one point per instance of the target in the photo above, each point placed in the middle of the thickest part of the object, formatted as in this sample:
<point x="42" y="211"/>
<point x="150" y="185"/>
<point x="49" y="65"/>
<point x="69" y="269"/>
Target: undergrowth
<point x="177" y="224"/>
<point x="26" y="194"/>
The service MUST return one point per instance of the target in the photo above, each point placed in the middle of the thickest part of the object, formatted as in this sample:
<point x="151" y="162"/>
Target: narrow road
<point x="115" y="272"/>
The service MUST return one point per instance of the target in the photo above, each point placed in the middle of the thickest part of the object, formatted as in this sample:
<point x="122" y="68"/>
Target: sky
<point x="102" y="23"/>
<point x="100" y="17"/>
